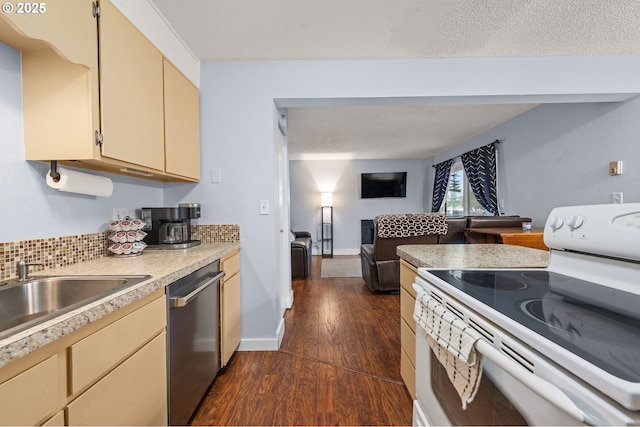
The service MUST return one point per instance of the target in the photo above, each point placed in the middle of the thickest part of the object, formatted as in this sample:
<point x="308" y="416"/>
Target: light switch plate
<point x="264" y="207"/>
<point x="216" y="176"/>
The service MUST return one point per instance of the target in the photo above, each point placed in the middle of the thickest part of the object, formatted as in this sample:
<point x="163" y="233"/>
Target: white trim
<point x="347" y="251"/>
<point x="259" y="344"/>
<point x="148" y="19"/>
<point x="289" y="299"/>
<point x="267" y="344"/>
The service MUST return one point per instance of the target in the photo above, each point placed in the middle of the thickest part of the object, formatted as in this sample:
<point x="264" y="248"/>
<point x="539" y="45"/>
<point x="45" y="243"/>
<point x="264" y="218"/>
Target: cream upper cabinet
<point x="131" y="92"/>
<point x="60" y="78"/>
<point x="94" y="95"/>
<point x="55" y="25"/>
<point x="181" y="124"/>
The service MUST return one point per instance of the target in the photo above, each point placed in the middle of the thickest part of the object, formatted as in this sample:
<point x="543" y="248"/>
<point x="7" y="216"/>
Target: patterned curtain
<point x="480" y="167"/>
<point x="440" y="184"/>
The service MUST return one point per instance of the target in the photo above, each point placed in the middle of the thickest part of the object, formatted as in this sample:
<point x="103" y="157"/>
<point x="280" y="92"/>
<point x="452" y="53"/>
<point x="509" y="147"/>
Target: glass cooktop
<point x="595" y="322"/>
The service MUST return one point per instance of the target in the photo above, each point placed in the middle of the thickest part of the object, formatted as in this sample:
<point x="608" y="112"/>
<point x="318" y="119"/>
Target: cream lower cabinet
<point x="111" y="372"/>
<point x="30" y="396"/>
<point x="230" y="314"/>
<point x="56" y="420"/>
<point x="408" y="274"/>
<point x="133" y="394"/>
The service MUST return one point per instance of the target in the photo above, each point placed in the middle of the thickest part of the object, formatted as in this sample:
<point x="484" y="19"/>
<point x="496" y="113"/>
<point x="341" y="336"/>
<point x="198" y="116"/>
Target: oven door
<point x="518" y="387"/>
<point x="501" y="399"/>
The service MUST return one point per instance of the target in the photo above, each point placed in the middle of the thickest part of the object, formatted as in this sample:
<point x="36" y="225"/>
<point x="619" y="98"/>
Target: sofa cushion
<point x="410" y="225"/>
<point x="455" y="231"/>
<point x="496" y="221"/>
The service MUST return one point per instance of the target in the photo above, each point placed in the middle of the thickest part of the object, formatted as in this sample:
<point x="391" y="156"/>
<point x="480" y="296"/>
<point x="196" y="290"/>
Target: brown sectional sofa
<point x="381" y="264"/>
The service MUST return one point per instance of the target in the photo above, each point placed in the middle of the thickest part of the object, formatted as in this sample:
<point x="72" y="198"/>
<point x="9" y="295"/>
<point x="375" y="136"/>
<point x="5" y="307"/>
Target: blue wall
<point x="29" y="208"/>
<point x="309" y="177"/>
<point x="559" y="154"/>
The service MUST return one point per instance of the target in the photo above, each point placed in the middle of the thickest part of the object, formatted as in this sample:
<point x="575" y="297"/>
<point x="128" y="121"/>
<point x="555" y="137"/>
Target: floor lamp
<point x="326" y="227"/>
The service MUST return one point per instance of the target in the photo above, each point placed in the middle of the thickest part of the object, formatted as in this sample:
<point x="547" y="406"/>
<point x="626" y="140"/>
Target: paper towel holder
<point x="54" y="171"/>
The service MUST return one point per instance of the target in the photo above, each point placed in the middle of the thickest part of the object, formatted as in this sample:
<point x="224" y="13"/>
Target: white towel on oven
<point x="452" y="341"/>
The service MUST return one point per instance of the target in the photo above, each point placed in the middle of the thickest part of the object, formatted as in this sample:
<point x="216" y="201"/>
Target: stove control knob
<point x="556" y="222"/>
<point x="575" y="221"/>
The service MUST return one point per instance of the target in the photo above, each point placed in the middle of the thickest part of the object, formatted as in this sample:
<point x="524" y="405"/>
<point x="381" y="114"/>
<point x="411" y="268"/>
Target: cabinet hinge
<point x="98" y="138"/>
<point x="96" y="9"/>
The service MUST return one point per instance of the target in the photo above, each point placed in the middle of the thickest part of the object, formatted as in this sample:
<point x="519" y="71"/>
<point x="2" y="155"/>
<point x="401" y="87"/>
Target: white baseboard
<point x="259" y="345"/>
<point x="289" y="299"/>
<point x="264" y="344"/>
<point x="348" y="251"/>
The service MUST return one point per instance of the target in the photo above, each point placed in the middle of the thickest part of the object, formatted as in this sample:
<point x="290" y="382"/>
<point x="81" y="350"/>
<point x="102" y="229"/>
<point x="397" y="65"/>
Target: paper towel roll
<point x="82" y="183"/>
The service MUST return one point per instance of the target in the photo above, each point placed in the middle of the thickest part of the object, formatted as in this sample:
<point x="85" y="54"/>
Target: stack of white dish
<point x="127" y="237"/>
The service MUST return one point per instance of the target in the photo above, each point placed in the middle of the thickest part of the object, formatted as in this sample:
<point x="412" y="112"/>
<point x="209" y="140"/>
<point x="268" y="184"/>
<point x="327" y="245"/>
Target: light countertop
<point x="473" y="256"/>
<point x="164" y="267"/>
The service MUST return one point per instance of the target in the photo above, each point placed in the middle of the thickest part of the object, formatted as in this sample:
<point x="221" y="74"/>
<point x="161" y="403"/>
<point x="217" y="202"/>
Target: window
<point x="459" y="200"/>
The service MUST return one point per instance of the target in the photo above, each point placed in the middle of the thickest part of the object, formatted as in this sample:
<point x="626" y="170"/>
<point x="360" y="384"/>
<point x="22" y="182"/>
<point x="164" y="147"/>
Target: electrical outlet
<point x="617" y="197"/>
<point x="120" y="213"/>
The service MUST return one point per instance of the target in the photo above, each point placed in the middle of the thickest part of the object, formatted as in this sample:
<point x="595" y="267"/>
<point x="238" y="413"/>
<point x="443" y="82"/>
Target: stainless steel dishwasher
<point x="193" y="340"/>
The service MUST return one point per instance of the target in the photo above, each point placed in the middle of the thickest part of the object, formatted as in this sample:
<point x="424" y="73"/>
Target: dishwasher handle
<point x="181" y="301"/>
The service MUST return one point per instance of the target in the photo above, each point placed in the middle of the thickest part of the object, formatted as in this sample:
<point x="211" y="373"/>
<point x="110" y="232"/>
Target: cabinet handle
<point x="181" y="301"/>
<point x="136" y="172"/>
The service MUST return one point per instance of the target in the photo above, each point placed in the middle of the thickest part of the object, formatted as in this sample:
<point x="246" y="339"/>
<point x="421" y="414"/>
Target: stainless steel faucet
<point x="23" y="269"/>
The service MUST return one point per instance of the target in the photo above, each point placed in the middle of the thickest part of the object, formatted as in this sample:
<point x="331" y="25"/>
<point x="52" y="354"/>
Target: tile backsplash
<point x="60" y="251"/>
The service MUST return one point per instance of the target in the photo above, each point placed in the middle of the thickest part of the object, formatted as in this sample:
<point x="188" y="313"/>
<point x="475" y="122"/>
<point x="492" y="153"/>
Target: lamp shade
<point x="326" y="199"/>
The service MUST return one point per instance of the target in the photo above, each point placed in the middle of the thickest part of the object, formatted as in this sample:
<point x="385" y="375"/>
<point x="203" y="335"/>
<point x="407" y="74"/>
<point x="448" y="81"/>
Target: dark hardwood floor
<point x="339" y="364"/>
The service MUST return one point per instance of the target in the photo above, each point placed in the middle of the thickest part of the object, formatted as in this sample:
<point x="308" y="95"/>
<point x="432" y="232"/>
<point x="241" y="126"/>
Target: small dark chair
<point x="301" y="248"/>
<point x="380" y="262"/>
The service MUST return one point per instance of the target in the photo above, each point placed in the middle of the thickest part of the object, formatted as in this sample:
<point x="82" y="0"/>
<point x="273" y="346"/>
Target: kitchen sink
<point x="24" y="304"/>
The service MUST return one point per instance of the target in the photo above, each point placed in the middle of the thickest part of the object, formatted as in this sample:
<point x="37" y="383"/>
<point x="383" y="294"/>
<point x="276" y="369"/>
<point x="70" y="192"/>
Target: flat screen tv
<point x="383" y="184"/>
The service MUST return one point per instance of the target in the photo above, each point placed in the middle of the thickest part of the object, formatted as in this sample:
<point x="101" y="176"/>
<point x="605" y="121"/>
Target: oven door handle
<point x="543" y="388"/>
<point x="181" y="301"/>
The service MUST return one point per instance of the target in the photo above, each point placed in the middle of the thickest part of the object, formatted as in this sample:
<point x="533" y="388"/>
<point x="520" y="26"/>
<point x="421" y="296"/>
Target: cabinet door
<point x="56" y="420"/>
<point x="229" y="317"/>
<point x="181" y="124"/>
<point x="68" y="26"/>
<point x="59" y="78"/>
<point x="135" y="393"/>
<point x="29" y="397"/>
<point x="99" y="352"/>
<point x="131" y="92"/>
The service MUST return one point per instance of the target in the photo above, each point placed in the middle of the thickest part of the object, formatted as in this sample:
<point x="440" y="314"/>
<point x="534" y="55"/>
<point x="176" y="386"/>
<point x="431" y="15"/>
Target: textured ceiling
<point x="378" y="132"/>
<point x="354" y="29"/>
<point x="350" y="29"/>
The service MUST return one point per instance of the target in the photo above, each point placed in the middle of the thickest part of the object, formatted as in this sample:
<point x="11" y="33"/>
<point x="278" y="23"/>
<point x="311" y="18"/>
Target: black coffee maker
<point x="170" y="228"/>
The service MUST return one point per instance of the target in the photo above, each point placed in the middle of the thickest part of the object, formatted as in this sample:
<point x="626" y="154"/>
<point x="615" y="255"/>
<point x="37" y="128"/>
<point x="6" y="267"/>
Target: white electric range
<point x="561" y="345"/>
